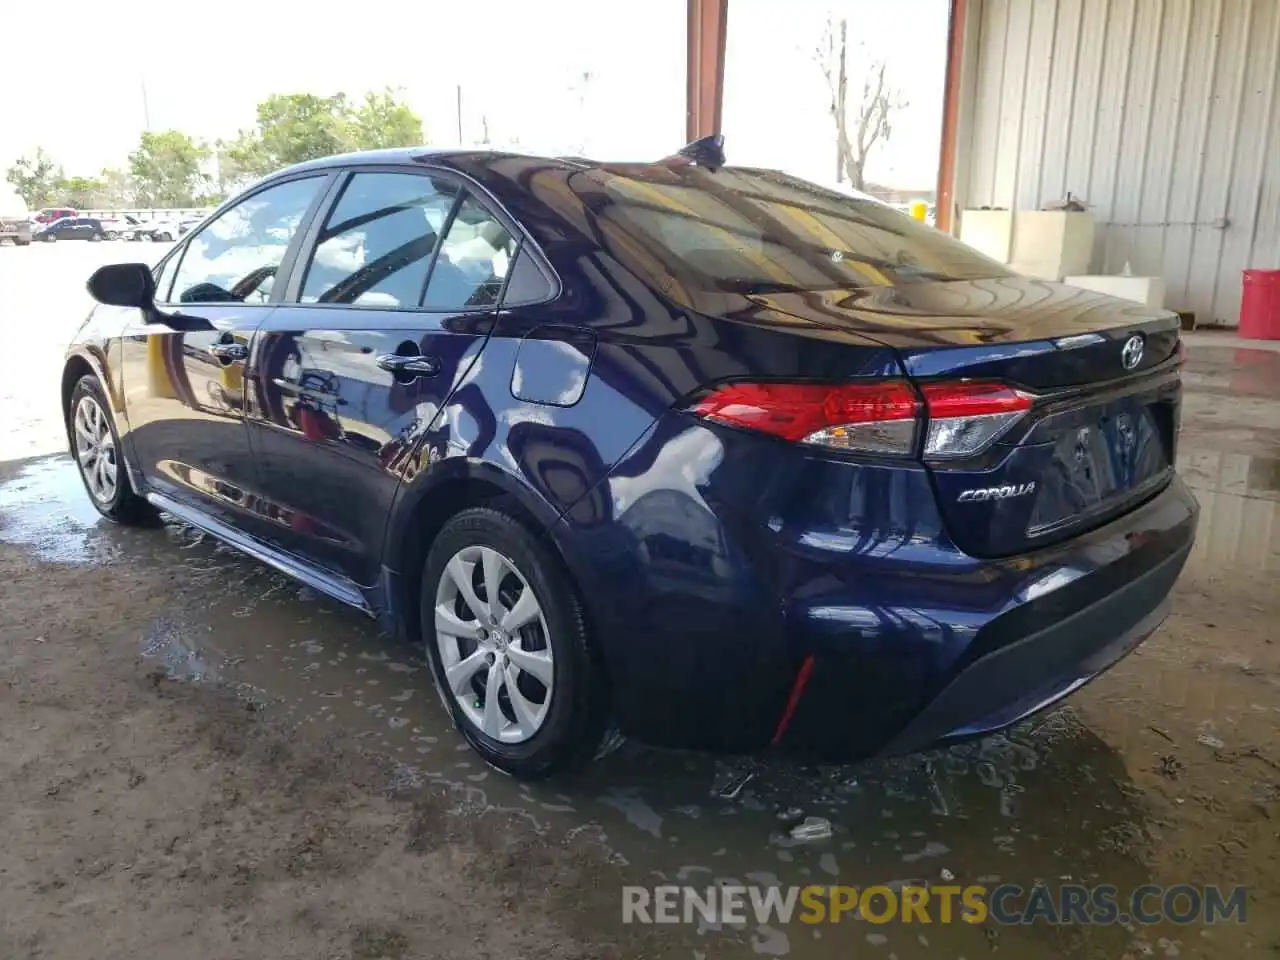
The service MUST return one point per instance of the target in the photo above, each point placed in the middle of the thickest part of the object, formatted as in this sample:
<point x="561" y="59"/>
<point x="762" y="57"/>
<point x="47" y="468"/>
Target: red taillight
<point x="876" y="418"/>
<point x="973" y="399"/>
<point x="962" y="418"/>
<point x="966" y="417"/>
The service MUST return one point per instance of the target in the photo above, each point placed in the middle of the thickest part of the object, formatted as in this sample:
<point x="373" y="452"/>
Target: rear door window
<point x="526" y="283"/>
<point x="474" y="260"/>
<point x="378" y="241"/>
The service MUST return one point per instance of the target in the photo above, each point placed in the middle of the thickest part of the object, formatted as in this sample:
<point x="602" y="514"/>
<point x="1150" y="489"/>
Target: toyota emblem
<point x="1131" y="352"/>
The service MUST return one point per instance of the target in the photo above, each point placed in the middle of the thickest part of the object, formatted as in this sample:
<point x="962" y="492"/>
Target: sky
<point x="601" y="77"/>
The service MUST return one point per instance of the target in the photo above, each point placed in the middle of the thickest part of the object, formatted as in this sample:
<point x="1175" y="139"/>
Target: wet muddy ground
<point x="146" y="807"/>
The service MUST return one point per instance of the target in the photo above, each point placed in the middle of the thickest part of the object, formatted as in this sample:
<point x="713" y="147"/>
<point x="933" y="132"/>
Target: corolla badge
<point x="997" y="493"/>
<point x="1131" y="352"/>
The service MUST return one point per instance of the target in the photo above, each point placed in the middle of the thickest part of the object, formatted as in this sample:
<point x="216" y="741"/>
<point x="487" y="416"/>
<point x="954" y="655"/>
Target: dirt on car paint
<point x="200" y="758"/>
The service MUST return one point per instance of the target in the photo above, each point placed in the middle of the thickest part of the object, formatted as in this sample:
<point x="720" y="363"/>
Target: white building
<point x="1162" y="115"/>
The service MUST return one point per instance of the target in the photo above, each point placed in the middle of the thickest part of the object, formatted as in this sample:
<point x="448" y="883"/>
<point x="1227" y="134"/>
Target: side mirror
<point x="124" y="285"/>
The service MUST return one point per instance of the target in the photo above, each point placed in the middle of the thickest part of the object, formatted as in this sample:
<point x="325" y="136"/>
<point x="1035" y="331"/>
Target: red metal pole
<point x="704" y="89"/>
<point x="951" y="115"/>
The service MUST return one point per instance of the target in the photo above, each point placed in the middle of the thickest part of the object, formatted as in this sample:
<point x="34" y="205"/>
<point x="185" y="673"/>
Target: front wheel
<point x="49" y="238"/>
<point x="508" y="647"/>
<point x="96" y="447"/>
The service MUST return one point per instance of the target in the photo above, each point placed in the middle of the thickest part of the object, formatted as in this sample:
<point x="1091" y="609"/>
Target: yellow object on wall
<point x="158" y="382"/>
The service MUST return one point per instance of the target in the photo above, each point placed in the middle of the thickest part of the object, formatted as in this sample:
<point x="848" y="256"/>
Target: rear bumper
<point x="1113" y="593"/>
<point x="1028" y="675"/>
<point x="710" y="589"/>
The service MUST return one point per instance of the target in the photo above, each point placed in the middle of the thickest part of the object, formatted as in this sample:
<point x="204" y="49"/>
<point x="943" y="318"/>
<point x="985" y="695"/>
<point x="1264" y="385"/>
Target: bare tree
<point x="869" y="124"/>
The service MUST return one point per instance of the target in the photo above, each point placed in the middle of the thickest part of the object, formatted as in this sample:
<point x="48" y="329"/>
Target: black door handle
<point x="409" y="366"/>
<point x="229" y="352"/>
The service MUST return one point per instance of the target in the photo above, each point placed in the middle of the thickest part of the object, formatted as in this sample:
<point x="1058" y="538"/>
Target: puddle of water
<point x="45" y="507"/>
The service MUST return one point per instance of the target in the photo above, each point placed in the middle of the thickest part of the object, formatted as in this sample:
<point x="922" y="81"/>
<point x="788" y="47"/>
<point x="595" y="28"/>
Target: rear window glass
<point x="757" y="231"/>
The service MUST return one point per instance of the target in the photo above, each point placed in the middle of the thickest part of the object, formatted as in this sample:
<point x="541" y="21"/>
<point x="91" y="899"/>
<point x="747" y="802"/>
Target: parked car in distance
<point x="140" y="230"/>
<point x="165" y="231"/>
<point x="50" y="214"/>
<point x="15" y="224"/>
<point x="186" y="226"/>
<point x="705" y="455"/>
<point x="71" y="228"/>
<point x="124" y="227"/>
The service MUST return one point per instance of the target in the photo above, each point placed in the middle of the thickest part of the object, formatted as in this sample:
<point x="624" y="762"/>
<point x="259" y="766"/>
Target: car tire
<point x="109" y="235"/>
<point x="21" y="243"/>
<point x="109" y="488"/>
<point x="95" y="237"/>
<point x="553" y="729"/>
<point x="49" y="238"/>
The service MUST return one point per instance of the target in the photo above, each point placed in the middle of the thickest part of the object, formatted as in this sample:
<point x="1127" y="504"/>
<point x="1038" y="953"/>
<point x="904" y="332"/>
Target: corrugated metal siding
<point x="1162" y="115"/>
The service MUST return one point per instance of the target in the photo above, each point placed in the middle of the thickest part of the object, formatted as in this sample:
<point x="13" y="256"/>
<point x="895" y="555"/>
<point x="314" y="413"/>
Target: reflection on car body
<point x="689" y="450"/>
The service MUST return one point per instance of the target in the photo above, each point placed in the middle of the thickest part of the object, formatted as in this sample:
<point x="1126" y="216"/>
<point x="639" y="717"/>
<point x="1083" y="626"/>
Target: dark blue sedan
<point x="708" y="456"/>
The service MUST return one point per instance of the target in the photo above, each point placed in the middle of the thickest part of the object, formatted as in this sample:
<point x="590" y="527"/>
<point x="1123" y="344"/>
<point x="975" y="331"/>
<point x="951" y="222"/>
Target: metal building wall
<point x="1163" y="115"/>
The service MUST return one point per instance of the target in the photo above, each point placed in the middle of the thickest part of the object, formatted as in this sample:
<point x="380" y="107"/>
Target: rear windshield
<point x="758" y="231"/>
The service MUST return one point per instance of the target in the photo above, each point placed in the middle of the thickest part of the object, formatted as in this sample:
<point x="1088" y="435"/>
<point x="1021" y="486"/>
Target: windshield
<point x="758" y="231"/>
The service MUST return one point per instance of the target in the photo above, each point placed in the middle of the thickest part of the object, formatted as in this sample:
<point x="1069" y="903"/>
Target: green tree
<point x="166" y="169"/>
<point x="294" y="127"/>
<point x="383" y="121"/>
<point x="242" y="159"/>
<point x="35" y="179"/>
<point x="117" y="188"/>
<point x="81" y="192"/>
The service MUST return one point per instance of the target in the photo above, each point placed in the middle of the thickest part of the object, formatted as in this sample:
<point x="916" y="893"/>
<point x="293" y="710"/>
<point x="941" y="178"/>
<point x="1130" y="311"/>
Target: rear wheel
<point x="508" y="647"/>
<point x="96" y="447"/>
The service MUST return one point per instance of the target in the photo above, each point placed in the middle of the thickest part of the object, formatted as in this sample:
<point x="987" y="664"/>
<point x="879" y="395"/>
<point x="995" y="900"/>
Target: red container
<point x="1260" y="305"/>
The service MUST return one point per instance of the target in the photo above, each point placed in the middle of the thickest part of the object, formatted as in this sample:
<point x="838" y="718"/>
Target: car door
<point x="354" y="369"/>
<point x="184" y="389"/>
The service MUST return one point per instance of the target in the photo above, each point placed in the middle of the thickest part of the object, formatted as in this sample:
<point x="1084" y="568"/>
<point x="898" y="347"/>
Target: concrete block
<point x="1058" y="242"/>
<point x="988" y="231"/>
<point x="1148" y="291"/>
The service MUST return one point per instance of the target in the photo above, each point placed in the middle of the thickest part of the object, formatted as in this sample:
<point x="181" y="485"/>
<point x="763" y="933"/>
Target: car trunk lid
<point x="1103" y="380"/>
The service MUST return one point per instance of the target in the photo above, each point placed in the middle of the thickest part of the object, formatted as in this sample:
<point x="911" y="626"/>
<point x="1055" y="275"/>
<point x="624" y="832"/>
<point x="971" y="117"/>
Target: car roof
<point x="409" y="155"/>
